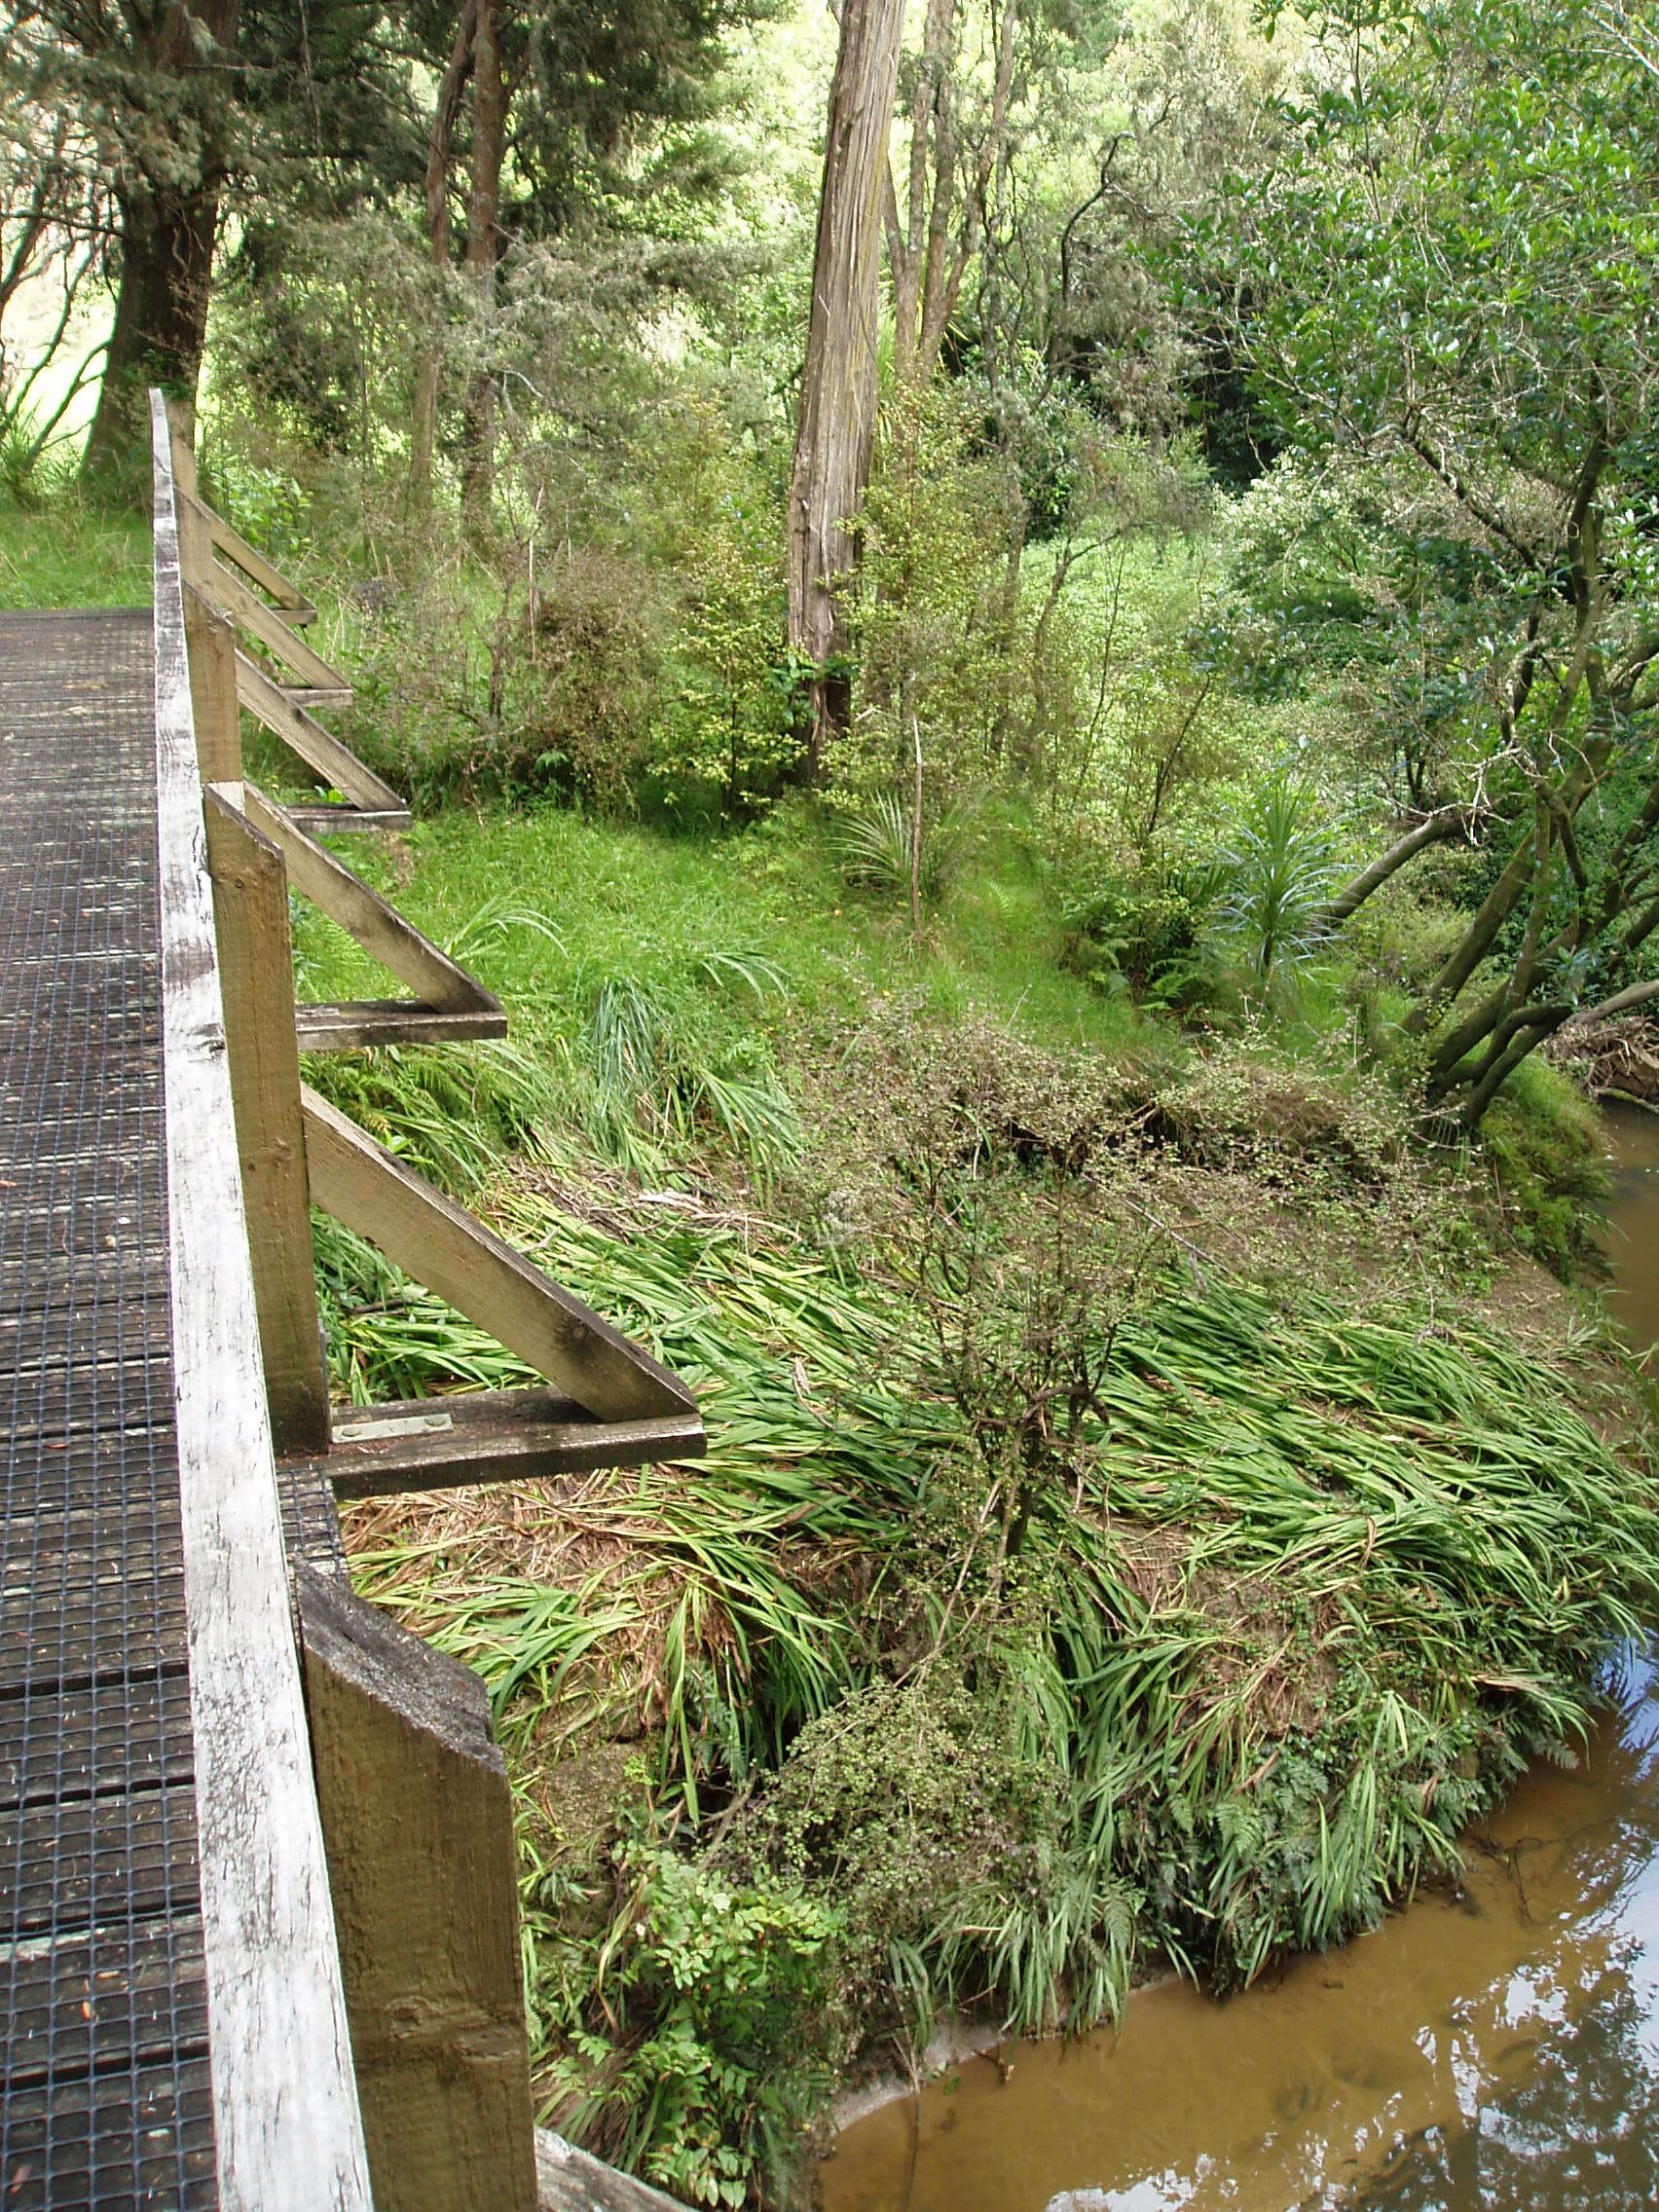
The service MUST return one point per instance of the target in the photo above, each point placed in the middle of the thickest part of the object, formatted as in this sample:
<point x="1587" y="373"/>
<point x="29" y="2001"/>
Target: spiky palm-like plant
<point x="1282" y="860"/>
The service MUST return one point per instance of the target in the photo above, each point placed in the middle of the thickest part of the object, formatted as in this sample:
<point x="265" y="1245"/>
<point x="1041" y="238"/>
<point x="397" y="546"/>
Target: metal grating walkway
<point x="106" y="2098"/>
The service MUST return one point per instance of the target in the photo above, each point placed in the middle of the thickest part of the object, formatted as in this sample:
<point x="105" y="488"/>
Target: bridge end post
<point x="417" y="1828"/>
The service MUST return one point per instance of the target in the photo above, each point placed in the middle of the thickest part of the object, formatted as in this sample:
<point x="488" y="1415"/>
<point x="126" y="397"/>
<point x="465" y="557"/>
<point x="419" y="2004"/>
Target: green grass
<point x="632" y="901"/>
<point x="69" y="554"/>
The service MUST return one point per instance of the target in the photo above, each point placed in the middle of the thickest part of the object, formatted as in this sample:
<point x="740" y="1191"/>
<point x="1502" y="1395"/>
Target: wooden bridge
<point x="258" y="1914"/>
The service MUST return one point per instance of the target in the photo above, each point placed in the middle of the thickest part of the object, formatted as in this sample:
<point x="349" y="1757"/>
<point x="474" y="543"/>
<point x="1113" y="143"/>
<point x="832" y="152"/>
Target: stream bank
<point x="1496" y="2045"/>
<point x="1401" y="2070"/>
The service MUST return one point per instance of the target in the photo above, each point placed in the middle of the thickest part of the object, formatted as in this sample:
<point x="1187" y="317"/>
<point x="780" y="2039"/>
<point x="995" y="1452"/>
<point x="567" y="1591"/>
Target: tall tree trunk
<point x="929" y="257"/>
<point x="927" y="103"/>
<point x="836" y="429"/>
<point x="483" y="218"/>
<point x="169" y="224"/>
<point x="440" y="141"/>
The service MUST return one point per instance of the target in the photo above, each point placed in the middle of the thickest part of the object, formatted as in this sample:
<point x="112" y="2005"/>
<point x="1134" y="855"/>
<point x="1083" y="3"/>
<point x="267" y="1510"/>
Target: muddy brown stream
<point x="1496" y="2049"/>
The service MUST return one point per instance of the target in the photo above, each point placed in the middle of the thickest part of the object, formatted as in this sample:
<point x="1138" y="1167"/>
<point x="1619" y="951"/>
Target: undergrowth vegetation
<point x="1072" y="1587"/>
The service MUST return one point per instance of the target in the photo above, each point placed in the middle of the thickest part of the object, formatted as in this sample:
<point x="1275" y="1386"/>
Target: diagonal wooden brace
<point x="440" y="984"/>
<point x="306" y="737"/>
<point x="421" y="1231"/>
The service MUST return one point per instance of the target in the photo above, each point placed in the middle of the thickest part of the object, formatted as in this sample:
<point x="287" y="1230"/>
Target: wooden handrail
<point x="439" y="982"/>
<point x="241" y="605"/>
<point x="288" y="2124"/>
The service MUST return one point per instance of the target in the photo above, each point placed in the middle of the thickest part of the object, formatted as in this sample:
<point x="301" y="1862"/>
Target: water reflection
<point x="1500" y="2048"/>
<point x="1583" y="2129"/>
<point x="1632" y="1231"/>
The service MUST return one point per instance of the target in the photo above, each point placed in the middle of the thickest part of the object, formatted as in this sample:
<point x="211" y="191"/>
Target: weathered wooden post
<point x="418" y="1828"/>
<point x="211" y="642"/>
<point x="214" y="698"/>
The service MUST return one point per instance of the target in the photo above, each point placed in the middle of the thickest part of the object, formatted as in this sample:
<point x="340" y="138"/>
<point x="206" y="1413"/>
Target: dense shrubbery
<point x="1146" y="933"/>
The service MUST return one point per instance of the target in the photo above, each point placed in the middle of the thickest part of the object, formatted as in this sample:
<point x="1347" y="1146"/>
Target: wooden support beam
<point x="572" y="2180"/>
<point x="418" y="1823"/>
<point x="327" y="821"/>
<point x="194" y="545"/>
<point x="473" y="1437"/>
<point x="286" y="2125"/>
<point x="336" y="765"/>
<point x="297" y="609"/>
<point x="251" y="906"/>
<point x="244" y="606"/>
<point x="212" y="647"/>
<point x="432" y="1239"/>
<point x="324" y="697"/>
<point x="181" y="446"/>
<point x="357" y="1026"/>
<point x="378" y="928"/>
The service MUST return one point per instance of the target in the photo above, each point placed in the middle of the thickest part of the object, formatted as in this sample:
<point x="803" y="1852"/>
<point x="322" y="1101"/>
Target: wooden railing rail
<point x="417" y="1815"/>
<point x="287" y="2124"/>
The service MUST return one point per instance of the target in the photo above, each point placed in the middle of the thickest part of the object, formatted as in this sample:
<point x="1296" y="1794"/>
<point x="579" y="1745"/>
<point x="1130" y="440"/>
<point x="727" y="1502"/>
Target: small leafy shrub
<point x="586" y="697"/>
<point x="252" y="486"/>
<point x="1258" y="1112"/>
<point x="698" y="2056"/>
<point x="934" y="648"/>
<point x="1145" y="933"/>
<point x="724" y="736"/>
<point x="471" y="691"/>
<point x="963" y="1869"/>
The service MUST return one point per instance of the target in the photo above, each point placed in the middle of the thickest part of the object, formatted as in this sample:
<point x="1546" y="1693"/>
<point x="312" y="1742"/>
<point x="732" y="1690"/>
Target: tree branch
<point x="1448" y="822"/>
<point x="1622" y="1002"/>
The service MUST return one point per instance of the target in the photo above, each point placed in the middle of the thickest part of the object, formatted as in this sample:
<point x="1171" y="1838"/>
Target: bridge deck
<point x="107" y="2098"/>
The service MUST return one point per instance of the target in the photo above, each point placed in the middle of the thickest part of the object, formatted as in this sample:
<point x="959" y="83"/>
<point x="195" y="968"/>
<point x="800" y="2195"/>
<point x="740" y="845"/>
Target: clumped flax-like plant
<point x="1218" y="1616"/>
<point x="653" y="1072"/>
<point x="1303" y="1592"/>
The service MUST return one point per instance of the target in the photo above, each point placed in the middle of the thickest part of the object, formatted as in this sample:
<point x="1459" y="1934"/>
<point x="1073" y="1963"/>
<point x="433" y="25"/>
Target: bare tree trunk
<point x="440" y="145"/>
<point x="836" y="427"/>
<point x="929" y="117"/>
<point x="483" y="215"/>
<point x="168" y="225"/>
<point x="929" y="258"/>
